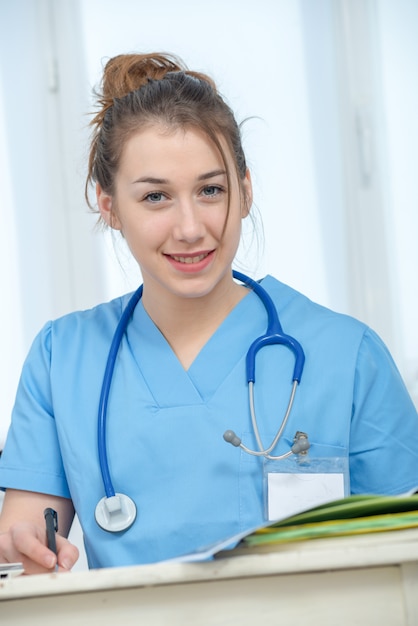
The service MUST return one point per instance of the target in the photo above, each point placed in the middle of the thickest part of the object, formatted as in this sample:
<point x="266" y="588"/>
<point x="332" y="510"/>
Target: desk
<point x="364" y="580"/>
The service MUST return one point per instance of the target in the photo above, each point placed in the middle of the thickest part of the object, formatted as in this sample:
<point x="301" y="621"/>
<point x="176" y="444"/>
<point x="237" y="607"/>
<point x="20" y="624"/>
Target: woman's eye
<point x="155" y="196"/>
<point x="212" y="190"/>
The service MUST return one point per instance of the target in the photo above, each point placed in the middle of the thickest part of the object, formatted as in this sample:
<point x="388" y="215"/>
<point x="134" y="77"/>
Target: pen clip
<point x="51" y="513"/>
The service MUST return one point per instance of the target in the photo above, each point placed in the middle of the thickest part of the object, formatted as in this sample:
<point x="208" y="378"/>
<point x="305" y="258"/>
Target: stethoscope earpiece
<point x="116" y="513"/>
<point x="231" y="437"/>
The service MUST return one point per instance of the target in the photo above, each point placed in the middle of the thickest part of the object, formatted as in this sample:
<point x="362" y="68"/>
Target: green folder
<point x="349" y="516"/>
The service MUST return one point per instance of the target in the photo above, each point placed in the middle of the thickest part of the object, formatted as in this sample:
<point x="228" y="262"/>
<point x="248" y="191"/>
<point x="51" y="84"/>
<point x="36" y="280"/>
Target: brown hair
<point x="138" y="90"/>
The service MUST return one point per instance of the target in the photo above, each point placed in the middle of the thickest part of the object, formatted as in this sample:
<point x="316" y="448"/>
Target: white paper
<point x="10" y="570"/>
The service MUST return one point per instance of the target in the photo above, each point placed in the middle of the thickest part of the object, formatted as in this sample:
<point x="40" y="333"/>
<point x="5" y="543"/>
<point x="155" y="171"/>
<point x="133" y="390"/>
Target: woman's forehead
<point x="159" y="148"/>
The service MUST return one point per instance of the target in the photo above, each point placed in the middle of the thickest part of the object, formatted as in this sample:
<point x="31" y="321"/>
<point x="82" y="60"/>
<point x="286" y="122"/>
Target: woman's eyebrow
<point x="151" y="179"/>
<point x="212" y="174"/>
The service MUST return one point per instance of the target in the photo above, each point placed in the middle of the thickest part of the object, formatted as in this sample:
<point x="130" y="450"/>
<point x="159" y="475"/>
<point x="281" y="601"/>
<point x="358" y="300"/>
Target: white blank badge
<point x="292" y="493"/>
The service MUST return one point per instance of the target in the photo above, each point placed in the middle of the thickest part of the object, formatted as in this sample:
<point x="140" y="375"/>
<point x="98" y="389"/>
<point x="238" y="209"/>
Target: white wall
<point x="398" y="36"/>
<point x="52" y="266"/>
<point x="11" y="329"/>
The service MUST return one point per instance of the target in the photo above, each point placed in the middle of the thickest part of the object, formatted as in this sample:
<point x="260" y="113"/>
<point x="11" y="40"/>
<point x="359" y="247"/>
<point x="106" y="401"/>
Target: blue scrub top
<point x="165" y="424"/>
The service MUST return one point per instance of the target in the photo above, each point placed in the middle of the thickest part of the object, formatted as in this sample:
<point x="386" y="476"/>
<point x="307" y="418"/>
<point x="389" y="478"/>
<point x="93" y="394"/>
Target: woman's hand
<point x="23" y="533"/>
<point x="25" y="543"/>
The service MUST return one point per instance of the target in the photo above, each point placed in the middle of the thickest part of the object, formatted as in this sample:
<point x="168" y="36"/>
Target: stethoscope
<point x="116" y="512"/>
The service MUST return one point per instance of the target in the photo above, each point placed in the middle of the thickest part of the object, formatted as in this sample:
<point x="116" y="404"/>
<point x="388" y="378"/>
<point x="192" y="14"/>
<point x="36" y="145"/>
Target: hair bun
<point x="129" y="72"/>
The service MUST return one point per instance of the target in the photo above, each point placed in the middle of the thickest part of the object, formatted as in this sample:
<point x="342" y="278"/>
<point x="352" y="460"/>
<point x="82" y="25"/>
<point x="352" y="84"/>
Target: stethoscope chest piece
<point x="115" y="513"/>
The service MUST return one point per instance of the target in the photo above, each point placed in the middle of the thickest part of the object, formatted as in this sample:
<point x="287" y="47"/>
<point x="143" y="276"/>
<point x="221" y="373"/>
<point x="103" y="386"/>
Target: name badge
<point x="292" y="486"/>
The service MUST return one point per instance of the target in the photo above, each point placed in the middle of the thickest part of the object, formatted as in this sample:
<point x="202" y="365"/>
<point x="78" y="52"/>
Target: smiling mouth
<point x="190" y="259"/>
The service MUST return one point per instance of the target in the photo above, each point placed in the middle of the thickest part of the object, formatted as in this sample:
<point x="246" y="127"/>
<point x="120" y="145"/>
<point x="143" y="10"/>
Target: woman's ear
<point x="248" y="194"/>
<point x="107" y="212"/>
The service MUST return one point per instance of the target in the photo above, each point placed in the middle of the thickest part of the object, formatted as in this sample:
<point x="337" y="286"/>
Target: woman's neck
<point x="188" y="323"/>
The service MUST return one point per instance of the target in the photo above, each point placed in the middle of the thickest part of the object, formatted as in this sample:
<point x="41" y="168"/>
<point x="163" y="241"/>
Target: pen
<point x="51" y="521"/>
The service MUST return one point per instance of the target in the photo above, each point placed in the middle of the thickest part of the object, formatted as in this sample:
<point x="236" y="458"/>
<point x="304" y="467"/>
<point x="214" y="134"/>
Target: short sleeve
<point x="31" y="459"/>
<point x="384" y="426"/>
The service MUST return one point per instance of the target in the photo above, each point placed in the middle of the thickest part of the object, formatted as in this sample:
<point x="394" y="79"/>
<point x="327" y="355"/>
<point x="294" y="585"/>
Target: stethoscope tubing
<point x="274" y="335"/>
<point x="104" y="394"/>
<point x="265" y="452"/>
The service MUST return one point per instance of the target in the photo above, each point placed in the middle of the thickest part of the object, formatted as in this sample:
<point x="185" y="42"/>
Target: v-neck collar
<point x="169" y="383"/>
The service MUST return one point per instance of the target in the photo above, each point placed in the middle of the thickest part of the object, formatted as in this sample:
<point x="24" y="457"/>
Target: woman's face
<point x="171" y="204"/>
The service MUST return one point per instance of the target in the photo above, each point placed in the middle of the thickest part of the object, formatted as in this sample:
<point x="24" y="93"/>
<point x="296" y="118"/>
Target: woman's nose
<point x="189" y="225"/>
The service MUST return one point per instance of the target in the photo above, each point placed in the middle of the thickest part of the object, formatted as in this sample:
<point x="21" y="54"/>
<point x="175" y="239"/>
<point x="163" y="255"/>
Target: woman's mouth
<point x="190" y="263"/>
<point x="190" y="259"/>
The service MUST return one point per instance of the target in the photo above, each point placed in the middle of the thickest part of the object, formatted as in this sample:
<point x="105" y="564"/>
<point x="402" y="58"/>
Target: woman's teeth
<point x="190" y="259"/>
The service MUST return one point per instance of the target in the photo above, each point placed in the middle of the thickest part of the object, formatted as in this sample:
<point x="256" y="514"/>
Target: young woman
<point x="170" y="174"/>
